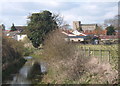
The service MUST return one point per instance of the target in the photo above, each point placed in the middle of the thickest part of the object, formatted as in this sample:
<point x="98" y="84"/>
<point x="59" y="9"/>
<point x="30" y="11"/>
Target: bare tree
<point x="113" y="21"/>
<point x="59" y="19"/>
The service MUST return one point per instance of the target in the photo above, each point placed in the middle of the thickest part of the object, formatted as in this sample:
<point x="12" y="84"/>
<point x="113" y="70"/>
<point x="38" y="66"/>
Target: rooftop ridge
<point x="88" y="24"/>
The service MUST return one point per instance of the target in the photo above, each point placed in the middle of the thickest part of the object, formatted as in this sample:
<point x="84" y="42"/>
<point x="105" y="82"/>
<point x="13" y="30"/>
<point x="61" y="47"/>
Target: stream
<point x="31" y="72"/>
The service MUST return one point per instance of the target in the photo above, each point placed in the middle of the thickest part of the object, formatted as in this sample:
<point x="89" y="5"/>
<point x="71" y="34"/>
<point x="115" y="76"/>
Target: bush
<point x="67" y="63"/>
<point x="12" y="53"/>
<point x="55" y="46"/>
<point x="11" y="50"/>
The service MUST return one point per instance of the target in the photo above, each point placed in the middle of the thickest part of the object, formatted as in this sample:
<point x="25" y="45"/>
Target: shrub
<point x="55" y="46"/>
<point x="67" y="64"/>
<point x="11" y="50"/>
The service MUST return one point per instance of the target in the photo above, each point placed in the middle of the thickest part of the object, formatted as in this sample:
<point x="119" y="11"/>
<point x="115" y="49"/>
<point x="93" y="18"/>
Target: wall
<point x="76" y="25"/>
<point x="20" y="37"/>
<point x="88" y="27"/>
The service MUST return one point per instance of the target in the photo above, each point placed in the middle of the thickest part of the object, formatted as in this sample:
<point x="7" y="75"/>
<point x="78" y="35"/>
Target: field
<point x="103" y="52"/>
<point x="102" y="47"/>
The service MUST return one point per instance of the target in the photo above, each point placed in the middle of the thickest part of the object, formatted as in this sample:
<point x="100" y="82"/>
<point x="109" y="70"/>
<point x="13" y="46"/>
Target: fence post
<point x="89" y="51"/>
<point x="84" y="52"/>
<point x="109" y="55"/>
<point x="100" y="54"/>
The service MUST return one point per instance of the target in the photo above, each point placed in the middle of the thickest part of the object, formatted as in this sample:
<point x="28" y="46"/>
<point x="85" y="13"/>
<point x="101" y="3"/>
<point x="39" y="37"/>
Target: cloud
<point x="86" y="12"/>
<point x="12" y="9"/>
<point x="91" y="12"/>
<point x="60" y="0"/>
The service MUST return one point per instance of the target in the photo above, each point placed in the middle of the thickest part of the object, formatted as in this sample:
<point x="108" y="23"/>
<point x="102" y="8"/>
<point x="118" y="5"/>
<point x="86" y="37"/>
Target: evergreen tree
<point x="39" y="25"/>
<point x="13" y="28"/>
<point x="110" y="30"/>
<point x="3" y="27"/>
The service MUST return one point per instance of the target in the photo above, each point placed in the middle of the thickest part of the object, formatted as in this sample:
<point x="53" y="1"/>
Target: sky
<point x="88" y="12"/>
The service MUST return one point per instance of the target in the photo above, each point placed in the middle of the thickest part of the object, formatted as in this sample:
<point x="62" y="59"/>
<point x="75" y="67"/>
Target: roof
<point x="20" y="27"/>
<point x="103" y="32"/>
<point x="78" y="33"/>
<point x="12" y="33"/>
<point x="77" y="36"/>
<point x="109" y="37"/>
<point x="5" y="32"/>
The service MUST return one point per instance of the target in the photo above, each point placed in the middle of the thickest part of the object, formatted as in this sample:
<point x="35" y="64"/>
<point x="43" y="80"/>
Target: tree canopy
<point x="113" y="21"/>
<point x="110" y="30"/>
<point x="3" y="27"/>
<point x="13" y="28"/>
<point x="98" y="30"/>
<point x="39" y="25"/>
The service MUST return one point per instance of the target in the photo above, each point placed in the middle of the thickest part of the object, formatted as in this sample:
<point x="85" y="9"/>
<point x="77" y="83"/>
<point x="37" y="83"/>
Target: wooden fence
<point x="103" y="55"/>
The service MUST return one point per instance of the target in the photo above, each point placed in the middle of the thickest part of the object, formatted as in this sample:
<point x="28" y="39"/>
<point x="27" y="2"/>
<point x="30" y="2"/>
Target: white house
<point x="20" y="37"/>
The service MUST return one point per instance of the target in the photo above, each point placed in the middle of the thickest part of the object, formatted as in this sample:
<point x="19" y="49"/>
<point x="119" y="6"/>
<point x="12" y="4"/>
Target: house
<point x="19" y="37"/>
<point x="14" y="34"/>
<point x="95" y="32"/>
<point x="75" y="36"/>
<point x="20" y="28"/>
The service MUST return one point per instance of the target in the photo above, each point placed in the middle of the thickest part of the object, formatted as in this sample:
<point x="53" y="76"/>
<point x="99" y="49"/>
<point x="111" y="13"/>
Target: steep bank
<point x="12" y="53"/>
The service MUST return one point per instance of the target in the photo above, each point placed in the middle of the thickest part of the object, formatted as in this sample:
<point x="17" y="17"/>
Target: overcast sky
<point x="88" y="12"/>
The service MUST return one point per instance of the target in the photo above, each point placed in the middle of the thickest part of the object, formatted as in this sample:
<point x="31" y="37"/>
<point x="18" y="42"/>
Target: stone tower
<point x="76" y="25"/>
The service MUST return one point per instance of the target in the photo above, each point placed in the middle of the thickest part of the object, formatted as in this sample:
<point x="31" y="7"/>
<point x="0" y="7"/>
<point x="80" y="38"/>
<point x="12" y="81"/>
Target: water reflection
<point x="43" y="67"/>
<point x="28" y="57"/>
<point x="19" y="80"/>
<point x="25" y="71"/>
<point x="28" y="73"/>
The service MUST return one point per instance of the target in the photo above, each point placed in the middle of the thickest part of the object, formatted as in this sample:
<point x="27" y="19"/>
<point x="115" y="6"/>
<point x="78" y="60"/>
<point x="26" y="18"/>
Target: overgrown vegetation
<point x="67" y="65"/>
<point x="114" y="57"/>
<point x="12" y="57"/>
<point x="11" y="50"/>
<point x="55" y="47"/>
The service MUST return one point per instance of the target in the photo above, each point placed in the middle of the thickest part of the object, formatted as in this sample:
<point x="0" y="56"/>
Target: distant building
<point x="20" y="28"/>
<point x="76" y="25"/>
<point x="20" y="37"/>
<point x="88" y="27"/>
<point x="15" y="34"/>
<point x="85" y="27"/>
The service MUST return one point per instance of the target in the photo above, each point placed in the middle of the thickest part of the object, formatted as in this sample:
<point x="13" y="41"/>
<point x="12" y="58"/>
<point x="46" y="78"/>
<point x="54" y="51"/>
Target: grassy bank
<point x="12" y="56"/>
<point x="76" y="69"/>
<point x="67" y="65"/>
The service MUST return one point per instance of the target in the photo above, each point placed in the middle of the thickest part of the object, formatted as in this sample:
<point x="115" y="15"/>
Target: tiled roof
<point x="20" y="27"/>
<point x="109" y="37"/>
